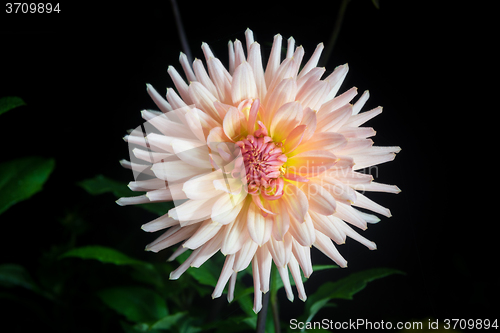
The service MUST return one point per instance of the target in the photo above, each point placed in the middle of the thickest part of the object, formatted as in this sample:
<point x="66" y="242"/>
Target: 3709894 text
<point x="31" y="8"/>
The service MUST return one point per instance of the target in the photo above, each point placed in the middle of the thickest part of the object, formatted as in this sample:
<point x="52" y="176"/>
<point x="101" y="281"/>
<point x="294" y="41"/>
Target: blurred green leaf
<point x="104" y="255"/>
<point x="166" y="323"/>
<point x="16" y="275"/>
<point x="9" y="103"/>
<point x="101" y="184"/>
<point x="376" y="3"/>
<point x="21" y="178"/>
<point x="343" y="289"/>
<point x="137" y="304"/>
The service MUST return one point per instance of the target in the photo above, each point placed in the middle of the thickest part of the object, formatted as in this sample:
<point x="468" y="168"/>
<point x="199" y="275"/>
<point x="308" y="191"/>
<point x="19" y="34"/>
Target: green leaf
<point x="344" y="288"/>
<point x="166" y="323"/>
<point x="137" y="304"/>
<point x="21" y="178"/>
<point x="104" y="255"/>
<point x="16" y="275"/>
<point x="9" y="103"/>
<point x="101" y="184"/>
<point x="376" y="3"/>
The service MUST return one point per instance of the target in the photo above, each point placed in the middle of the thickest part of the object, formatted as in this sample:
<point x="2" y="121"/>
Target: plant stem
<point x="261" y="319"/>
<point x="274" y="301"/>
<point x="180" y="30"/>
<point x="335" y="33"/>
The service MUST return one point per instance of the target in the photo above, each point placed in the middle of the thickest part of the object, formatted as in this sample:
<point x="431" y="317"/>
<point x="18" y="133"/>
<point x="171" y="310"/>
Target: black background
<point x="82" y="74"/>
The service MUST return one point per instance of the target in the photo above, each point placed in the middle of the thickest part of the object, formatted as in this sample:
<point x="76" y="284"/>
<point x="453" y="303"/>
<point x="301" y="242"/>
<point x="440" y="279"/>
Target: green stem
<point x="261" y="319"/>
<point x="274" y="300"/>
<point x="335" y="33"/>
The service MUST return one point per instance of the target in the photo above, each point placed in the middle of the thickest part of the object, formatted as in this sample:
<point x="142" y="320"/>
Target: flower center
<point x="263" y="161"/>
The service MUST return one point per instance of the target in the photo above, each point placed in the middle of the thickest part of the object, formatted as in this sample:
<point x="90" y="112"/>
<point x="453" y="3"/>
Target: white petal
<point x="243" y="86"/>
<point x="325" y="245"/>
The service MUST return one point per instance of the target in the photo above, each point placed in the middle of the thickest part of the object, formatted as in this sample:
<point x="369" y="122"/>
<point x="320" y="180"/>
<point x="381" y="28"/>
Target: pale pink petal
<point x="286" y="118"/>
<point x="243" y="86"/>
<point x="233" y="124"/>
<point x="259" y="227"/>
<point x="179" y="83"/>
<point x="125" y="201"/>
<point x="159" y="101"/>
<point x="187" y="67"/>
<point x="281" y="221"/>
<point x="175" y="101"/>
<point x="303" y="233"/>
<point x="230" y="48"/>
<point x="357" y="237"/>
<point x="290" y="47"/>
<point x="210" y="248"/>
<point x="367" y="203"/>
<point x="334" y="120"/>
<point x="162" y="195"/>
<point x="336" y="79"/>
<point x="252" y="116"/>
<point x="311" y="163"/>
<point x="349" y="214"/>
<point x="257" y="294"/>
<point x="280" y="250"/>
<point x="193" y="211"/>
<point x="325" y="245"/>
<point x="313" y="94"/>
<point x="338" y="101"/>
<point x="320" y="200"/>
<point x="313" y="76"/>
<point x="171" y="237"/>
<point x="328" y="226"/>
<point x="205" y="232"/>
<point x="377" y="187"/>
<point x="360" y="102"/>
<point x="227" y="271"/>
<point x="239" y="54"/>
<point x="357" y="132"/>
<point x="284" y="92"/>
<point x="340" y="191"/>
<point x="286" y="282"/>
<point x="362" y="118"/>
<point x="324" y="141"/>
<point x="221" y="79"/>
<point x="265" y="261"/>
<point x="146" y="185"/>
<point x="236" y="233"/>
<point x="294" y="139"/>
<point x="174" y="275"/>
<point x="293" y="265"/>
<point x="160" y="223"/>
<point x="192" y="152"/>
<point x="310" y="120"/>
<point x="313" y="61"/>
<point x="204" y="100"/>
<point x="245" y="255"/>
<point x="274" y="60"/>
<point x="215" y="137"/>
<point x="296" y="202"/>
<point x="303" y="256"/>
<point x="354" y="146"/>
<point x="203" y="78"/>
<point x="255" y="61"/>
<point x="230" y="289"/>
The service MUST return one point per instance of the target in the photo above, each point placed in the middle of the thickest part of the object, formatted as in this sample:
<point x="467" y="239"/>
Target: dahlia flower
<point x="261" y="164"/>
